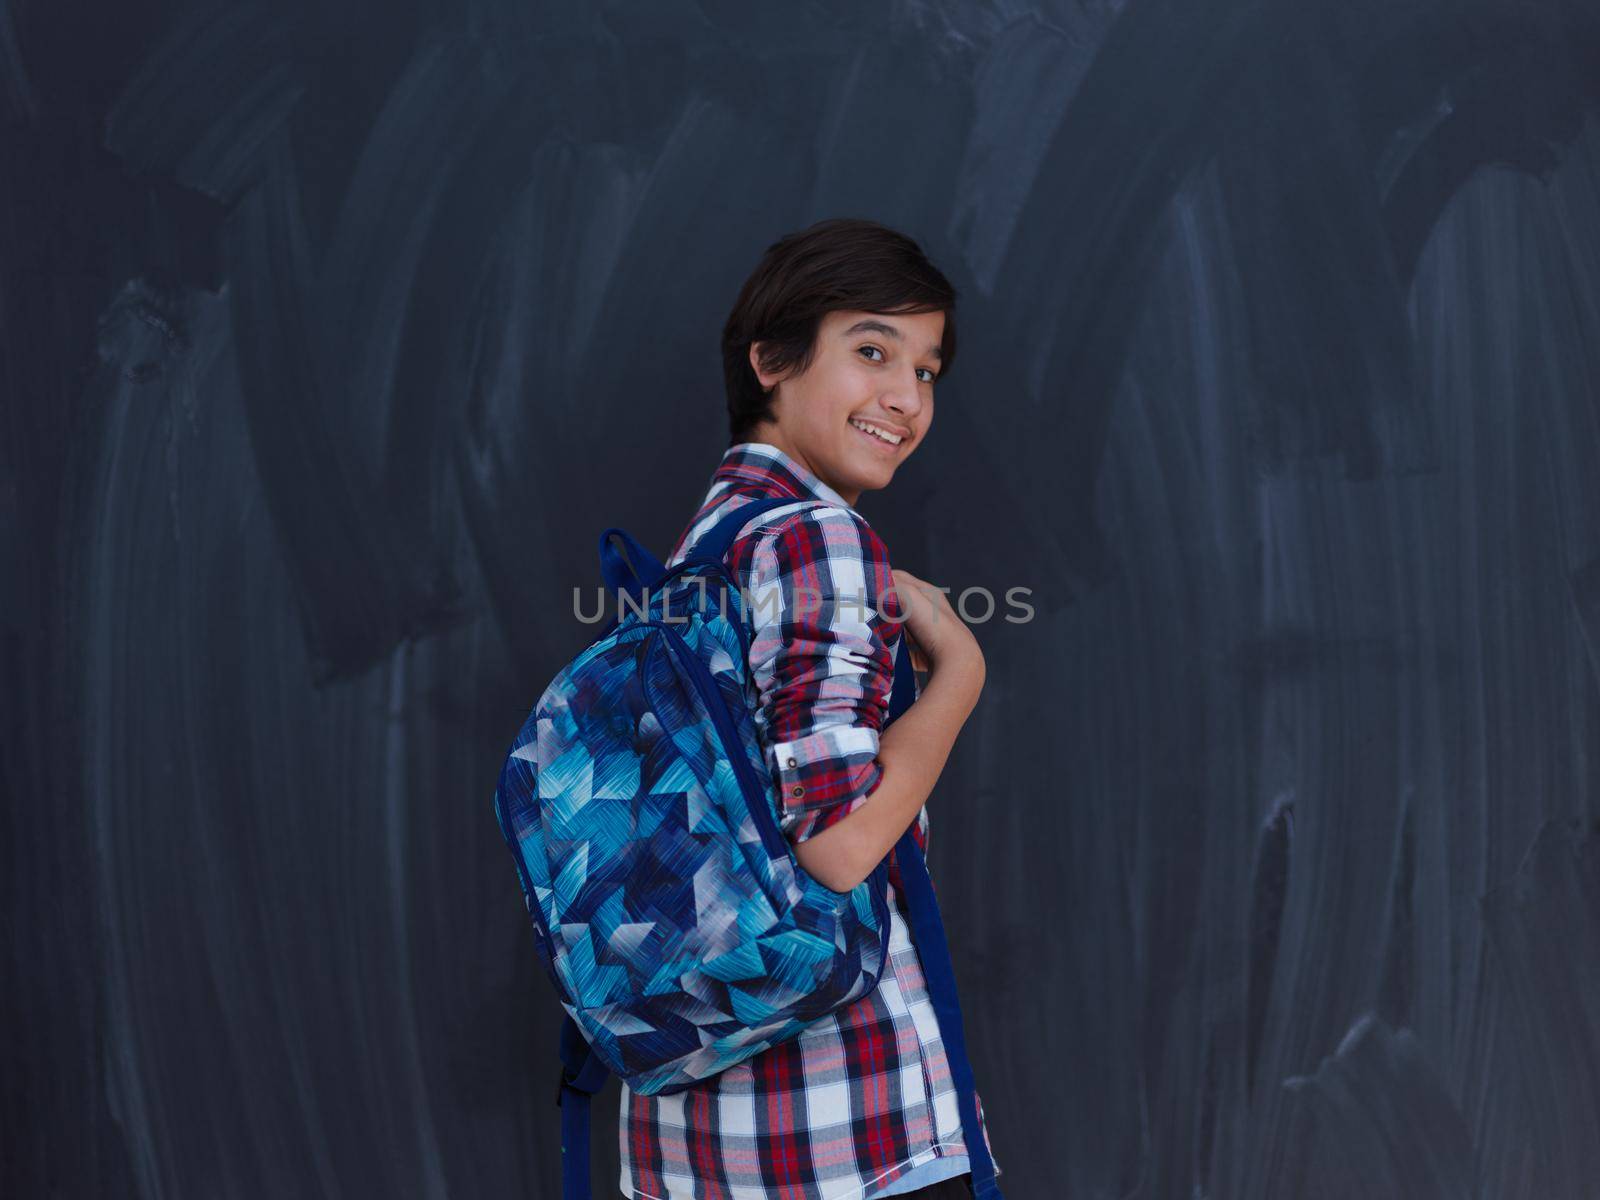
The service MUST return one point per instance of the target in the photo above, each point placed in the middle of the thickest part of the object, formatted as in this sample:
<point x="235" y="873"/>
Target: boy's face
<point x="867" y="368"/>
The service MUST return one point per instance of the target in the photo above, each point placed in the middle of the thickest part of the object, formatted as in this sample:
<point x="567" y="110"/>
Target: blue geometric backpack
<point x="669" y="911"/>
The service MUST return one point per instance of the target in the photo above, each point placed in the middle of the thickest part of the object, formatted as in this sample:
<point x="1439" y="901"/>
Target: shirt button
<point x="797" y="791"/>
<point x="791" y="762"/>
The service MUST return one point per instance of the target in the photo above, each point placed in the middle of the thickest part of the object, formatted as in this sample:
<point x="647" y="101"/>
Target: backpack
<point x="680" y="932"/>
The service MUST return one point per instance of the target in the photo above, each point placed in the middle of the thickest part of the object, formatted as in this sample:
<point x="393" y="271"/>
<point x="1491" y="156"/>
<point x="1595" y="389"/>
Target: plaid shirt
<point x="862" y="1103"/>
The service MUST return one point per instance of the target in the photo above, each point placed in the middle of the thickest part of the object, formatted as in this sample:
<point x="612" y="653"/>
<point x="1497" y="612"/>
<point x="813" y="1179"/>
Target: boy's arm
<point x="847" y="788"/>
<point x="911" y="755"/>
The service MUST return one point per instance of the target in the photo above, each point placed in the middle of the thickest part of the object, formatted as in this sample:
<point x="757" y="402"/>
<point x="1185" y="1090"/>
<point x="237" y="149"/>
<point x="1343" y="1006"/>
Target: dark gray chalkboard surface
<point x="334" y="333"/>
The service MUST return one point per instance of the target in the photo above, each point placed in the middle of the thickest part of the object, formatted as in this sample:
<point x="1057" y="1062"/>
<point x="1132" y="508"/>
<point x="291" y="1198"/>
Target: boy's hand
<point x="938" y="634"/>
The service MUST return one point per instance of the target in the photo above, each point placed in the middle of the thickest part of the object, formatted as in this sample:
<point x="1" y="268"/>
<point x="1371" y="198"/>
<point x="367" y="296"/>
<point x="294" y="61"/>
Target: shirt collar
<point x="774" y="472"/>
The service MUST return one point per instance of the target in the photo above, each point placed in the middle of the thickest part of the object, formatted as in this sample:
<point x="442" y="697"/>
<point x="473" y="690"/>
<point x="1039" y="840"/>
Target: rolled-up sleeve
<point x="822" y="652"/>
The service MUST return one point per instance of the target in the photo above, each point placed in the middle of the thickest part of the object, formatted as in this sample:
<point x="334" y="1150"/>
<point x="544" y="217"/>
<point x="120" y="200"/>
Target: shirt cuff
<point x="823" y="777"/>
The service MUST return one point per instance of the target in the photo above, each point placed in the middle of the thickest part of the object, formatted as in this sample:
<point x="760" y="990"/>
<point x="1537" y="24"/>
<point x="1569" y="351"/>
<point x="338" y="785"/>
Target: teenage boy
<point x="830" y="357"/>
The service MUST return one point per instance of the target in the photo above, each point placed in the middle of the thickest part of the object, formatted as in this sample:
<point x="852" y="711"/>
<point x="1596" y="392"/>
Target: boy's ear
<point x="755" y="364"/>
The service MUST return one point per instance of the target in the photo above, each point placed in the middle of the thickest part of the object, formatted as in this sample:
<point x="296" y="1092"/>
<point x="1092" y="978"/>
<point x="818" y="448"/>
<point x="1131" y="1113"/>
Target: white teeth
<point x="876" y="432"/>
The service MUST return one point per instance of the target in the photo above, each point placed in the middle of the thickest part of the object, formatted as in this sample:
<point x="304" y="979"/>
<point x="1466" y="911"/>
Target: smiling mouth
<point x="885" y="447"/>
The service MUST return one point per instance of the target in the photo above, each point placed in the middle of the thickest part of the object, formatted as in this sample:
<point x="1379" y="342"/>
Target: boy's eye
<point x="874" y="350"/>
<point x="930" y="375"/>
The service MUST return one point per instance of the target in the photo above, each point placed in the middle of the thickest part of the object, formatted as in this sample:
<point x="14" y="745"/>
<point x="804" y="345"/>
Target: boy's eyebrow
<point x="871" y="326"/>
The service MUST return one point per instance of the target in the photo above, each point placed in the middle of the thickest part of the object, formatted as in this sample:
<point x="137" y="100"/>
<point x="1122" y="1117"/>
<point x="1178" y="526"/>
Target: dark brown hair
<point x="840" y="263"/>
